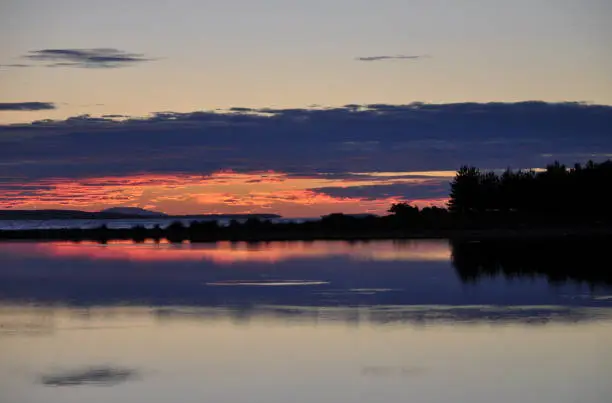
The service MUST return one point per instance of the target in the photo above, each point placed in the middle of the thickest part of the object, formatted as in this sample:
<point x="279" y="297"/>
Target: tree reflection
<point x="559" y="260"/>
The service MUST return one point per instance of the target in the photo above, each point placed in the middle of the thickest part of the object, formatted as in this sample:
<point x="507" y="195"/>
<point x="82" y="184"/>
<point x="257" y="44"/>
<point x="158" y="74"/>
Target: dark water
<point x="411" y="321"/>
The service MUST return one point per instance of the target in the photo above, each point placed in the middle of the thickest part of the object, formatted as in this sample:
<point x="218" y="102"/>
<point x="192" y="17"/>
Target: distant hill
<point x="115" y="213"/>
<point x="133" y="211"/>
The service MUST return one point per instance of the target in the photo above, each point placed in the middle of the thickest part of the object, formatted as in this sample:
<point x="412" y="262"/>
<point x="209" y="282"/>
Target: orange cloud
<point x="220" y="192"/>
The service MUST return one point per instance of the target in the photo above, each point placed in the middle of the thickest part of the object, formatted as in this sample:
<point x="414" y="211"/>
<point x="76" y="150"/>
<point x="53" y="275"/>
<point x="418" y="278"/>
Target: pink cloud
<point x="220" y="192"/>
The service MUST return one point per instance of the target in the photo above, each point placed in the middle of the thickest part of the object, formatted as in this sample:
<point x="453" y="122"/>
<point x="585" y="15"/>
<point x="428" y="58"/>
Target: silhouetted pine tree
<point x="574" y="194"/>
<point x="465" y="190"/>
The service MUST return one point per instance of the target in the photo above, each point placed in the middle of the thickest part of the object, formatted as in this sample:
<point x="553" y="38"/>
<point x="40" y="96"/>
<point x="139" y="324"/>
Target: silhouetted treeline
<point x="566" y="200"/>
<point x="569" y="259"/>
<point x="579" y="194"/>
<point x="333" y="226"/>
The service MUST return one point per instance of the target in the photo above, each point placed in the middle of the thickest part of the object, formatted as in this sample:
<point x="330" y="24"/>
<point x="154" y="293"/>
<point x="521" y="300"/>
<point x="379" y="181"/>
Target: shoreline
<point x="224" y="235"/>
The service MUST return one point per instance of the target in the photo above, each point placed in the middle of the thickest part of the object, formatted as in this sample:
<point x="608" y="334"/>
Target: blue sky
<point x="131" y="60"/>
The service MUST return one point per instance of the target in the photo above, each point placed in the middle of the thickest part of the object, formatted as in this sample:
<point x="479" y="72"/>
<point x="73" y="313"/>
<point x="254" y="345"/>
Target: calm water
<point x="416" y="321"/>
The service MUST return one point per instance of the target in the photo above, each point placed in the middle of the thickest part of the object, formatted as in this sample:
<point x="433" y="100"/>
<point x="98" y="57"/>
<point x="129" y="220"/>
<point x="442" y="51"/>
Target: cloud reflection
<point x="338" y="274"/>
<point x="94" y="376"/>
<point x="382" y="315"/>
<point x="265" y="283"/>
<point x="228" y="252"/>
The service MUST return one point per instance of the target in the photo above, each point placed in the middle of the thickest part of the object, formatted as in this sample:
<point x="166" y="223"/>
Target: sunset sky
<point x="297" y="108"/>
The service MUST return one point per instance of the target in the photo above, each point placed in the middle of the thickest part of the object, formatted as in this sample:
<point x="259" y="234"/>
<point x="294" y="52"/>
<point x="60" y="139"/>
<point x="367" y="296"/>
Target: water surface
<point x="420" y="321"/>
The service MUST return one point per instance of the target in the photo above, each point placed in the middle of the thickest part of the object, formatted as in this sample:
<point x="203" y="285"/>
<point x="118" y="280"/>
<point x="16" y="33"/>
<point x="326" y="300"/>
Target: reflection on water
<point x="99" y="376"/>
<point x="192" y="355"/>
<point x="290" y="273"/>
<point x="234" y="252"/>
<point x="558" y="260"/>
<point x="263" y="283"/>
<point x="305" y="322"/>
<point x="46" y="320"/>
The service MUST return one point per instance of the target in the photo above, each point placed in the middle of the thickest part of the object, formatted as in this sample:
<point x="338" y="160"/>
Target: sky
<point x="296" y="108"/>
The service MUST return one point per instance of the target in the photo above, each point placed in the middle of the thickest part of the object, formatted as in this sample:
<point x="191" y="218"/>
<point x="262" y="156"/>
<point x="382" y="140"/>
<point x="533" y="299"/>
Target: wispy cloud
<point x="15" y="65"/>
<point x="388" y="57"/>
<point x="86" y="58"/>
<point x="26" y="106"/>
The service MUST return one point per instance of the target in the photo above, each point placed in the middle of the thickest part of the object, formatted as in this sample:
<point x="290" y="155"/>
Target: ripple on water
<point x="268" y="283"/>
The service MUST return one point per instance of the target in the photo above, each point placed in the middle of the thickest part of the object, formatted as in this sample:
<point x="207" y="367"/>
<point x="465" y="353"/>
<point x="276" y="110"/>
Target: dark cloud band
<point x="336" y="141"/>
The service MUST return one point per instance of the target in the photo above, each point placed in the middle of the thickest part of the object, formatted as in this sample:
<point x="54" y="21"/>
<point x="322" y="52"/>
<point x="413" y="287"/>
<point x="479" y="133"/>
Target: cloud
<point x="223" y="191"/>
<point x="15" y="65"/>
<point x="26" y="106"/>
<point x="397" y="57"/>
<point x="357" y="147"/>
<point x="86" y="58"/>
<point x="407" y="191"/>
